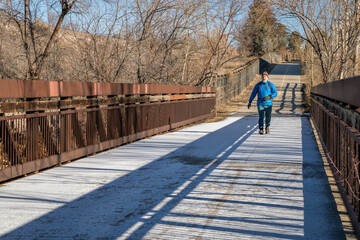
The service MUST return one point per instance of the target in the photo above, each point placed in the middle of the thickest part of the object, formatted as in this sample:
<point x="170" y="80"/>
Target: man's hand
<point x="249" y="105"/>
<point x="267" y="98"/>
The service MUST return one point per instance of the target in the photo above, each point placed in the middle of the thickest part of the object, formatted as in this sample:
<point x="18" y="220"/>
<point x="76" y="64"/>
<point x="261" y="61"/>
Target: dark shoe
<point x="261" y="131"/>
<point x="267" y="130"/>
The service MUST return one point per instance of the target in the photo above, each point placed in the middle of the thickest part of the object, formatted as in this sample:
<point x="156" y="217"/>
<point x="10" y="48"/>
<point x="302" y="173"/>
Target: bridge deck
<point x="217" y="180"/>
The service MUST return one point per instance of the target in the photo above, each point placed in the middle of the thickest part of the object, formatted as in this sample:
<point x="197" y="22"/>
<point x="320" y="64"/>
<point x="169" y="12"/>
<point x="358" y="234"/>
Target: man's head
<point x="264" y="76"/>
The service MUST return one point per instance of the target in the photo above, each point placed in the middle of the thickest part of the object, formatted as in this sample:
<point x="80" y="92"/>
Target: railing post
<point x="65" y="133"/>
<point x="100" y="126"/>
<point x="77" y="130"/>
<point x="32" y="139"/>
<point x="90" y="128"/>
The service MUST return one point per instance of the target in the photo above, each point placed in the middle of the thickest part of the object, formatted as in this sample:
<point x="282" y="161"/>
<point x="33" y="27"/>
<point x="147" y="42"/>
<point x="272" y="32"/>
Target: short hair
<point x="265" y="73"/>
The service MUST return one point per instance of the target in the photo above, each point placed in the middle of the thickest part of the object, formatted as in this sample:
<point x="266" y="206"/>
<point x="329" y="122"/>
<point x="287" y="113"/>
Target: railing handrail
<point x="344" y="90"/>
<point x="339" y="134"/>
<point x="46" y="123"/>
<point x="11" y="88"/>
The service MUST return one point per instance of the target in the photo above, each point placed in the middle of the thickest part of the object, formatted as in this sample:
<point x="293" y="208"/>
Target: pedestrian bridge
<point x="213" y="180"/>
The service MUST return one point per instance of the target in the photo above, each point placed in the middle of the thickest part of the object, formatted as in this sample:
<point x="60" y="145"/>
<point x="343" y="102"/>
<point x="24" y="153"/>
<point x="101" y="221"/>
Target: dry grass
<point x="235" y="64"/>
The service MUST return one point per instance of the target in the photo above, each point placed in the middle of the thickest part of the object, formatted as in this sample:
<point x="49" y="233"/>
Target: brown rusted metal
<point x="48" y="136"/>
<point x="65" y="133"/>
<point x="100" y="126"/>
<point x="69" y="103"/>
<point x="153" y="126"/>
<point x="77" y="130"/>
<point x="11" y="88"/>
<point x="9" y="144"/>
<point x="112" y="115"/>
<point x="91" y="128"/>
<point x="110" y="124"/>
<point x="342" y="144"/>
<point x="343" y="192"/>
<point x="32" y="139"/>
<point x="345" y="90"/>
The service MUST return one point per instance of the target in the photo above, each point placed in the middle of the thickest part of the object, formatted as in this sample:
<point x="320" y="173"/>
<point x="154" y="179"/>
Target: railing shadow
<point x="319" y="204"/>
<point x="131" y="206"/>
<point x="294" y="104"/>
<point x="114" y="208"/>
<point x="282" y="104"/>
<point x="288" y="69"/>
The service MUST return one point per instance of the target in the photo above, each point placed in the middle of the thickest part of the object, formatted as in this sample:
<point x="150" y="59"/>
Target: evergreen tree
<point x="262" y="32"/>
<point x="295" y="42"/>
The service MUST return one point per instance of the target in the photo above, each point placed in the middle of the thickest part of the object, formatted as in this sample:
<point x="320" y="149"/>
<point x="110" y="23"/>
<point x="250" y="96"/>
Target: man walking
<point x="266" y="91"/>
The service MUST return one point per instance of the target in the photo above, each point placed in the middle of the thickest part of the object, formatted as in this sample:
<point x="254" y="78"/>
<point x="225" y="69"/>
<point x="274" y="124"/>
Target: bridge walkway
<point x="219" y="180"/>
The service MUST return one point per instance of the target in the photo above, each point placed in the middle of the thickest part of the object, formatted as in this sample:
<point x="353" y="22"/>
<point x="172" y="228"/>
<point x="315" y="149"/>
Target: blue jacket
<point x="262" y="90"/>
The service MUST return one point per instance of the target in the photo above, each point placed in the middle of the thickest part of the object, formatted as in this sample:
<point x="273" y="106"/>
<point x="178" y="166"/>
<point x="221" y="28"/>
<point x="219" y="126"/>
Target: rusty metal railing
<point x="341" y="141"/>
<point x="232" y="84"/>
<point x="344" y="90"/>
<point x="58" y="122"/>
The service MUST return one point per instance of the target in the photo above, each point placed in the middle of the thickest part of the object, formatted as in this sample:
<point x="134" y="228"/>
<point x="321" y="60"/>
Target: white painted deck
<point x="217" y="180"/>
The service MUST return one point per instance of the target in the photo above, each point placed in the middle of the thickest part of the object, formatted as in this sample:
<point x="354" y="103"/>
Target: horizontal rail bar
<point x="11" y="88"/>
<point x="344" y="90"/>
<point x="69" y="111"/>
<point x="41" y="105"/>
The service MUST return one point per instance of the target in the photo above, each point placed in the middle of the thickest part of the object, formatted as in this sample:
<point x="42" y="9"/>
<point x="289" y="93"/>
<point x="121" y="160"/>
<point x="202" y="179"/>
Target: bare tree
<point x="105" y="43"/>
<point x="219" y="26"/>
<point x="332" y="29"/>
<point x="146" y="14"/>
<point x="161" y="41"/>
<point x="25" y="14"/>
